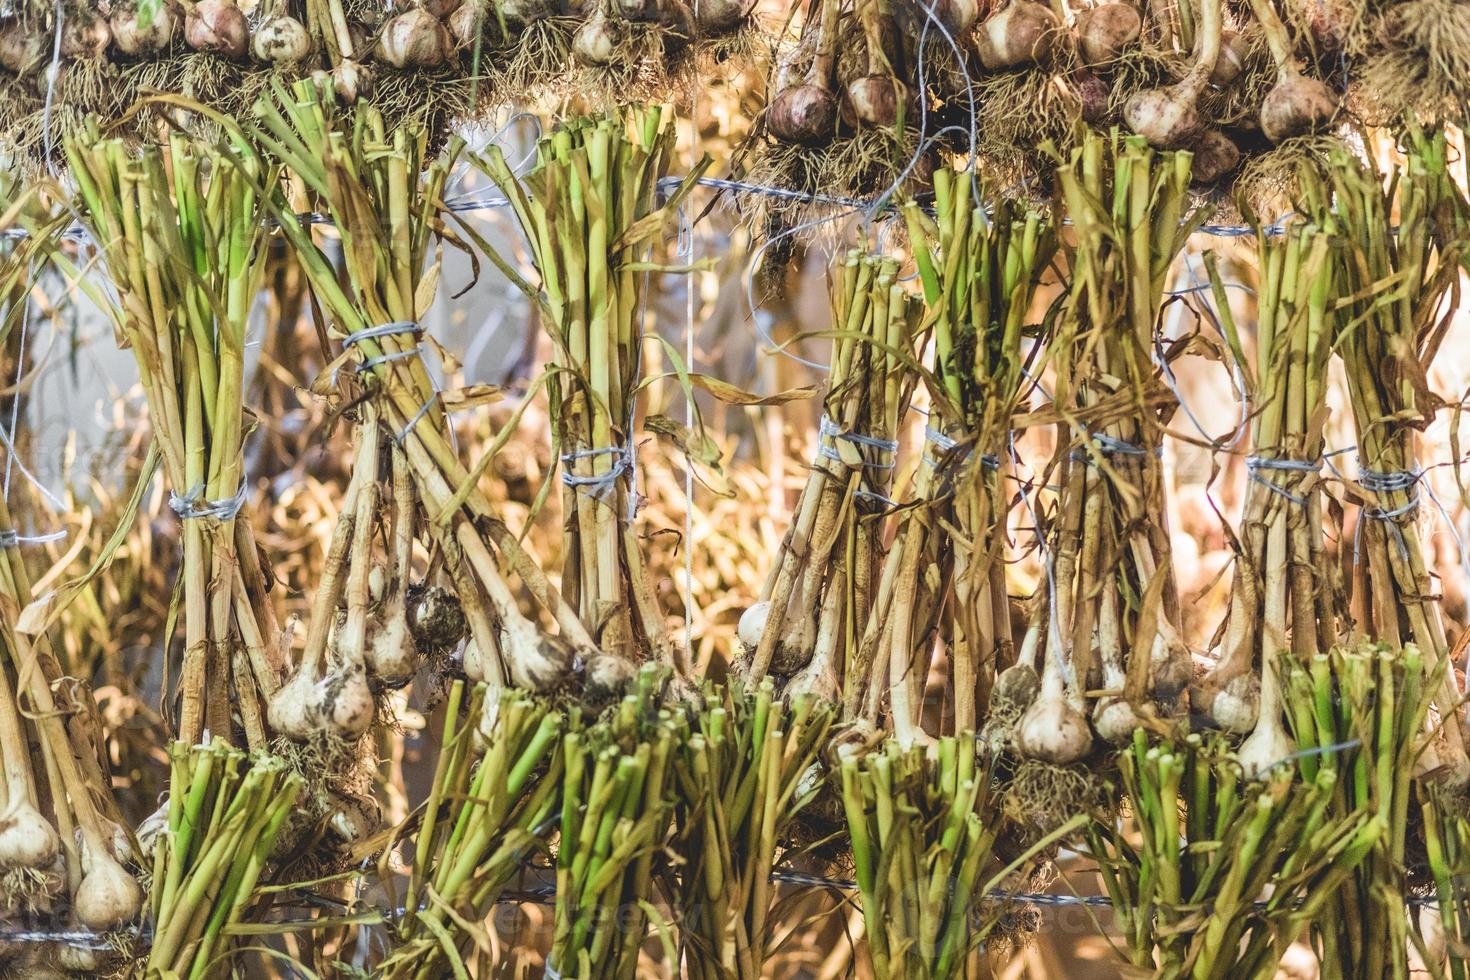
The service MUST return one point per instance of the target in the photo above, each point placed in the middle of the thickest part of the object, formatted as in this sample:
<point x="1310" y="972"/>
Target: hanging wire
<point x="1237" y="374"/>
<point x="688" y="253"/>
<point x="883" y="199"/>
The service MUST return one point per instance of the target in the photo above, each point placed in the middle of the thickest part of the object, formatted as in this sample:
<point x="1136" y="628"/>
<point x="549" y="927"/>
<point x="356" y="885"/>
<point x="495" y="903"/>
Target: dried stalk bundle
<point x="384" y="197"/>
<point x="820" y="591"/>
<point x="1359" y="713"/>
<point x="1284" y="590"/>
<point x="1225" y="873"/>
<point x="923" y="824"/>
<point x="490" y="808"/>
<point x="617" y="784"/>
<point x="1111" y="610"/>
<point x="60" y="830"/>
<point x="62" y="845"/>
<point x="209" y="853"/>
<point x="744" y="776"/>
<point x="979" y="272"/>
<point x="1389" y="324"/>
<point x="1446" y="830"/>
<point x="182" y="231"/>
<point x="590" y="209"/>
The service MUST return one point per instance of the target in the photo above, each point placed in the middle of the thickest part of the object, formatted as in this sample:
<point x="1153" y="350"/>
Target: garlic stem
<point x="1268" y="744"/>
<point x="20" y="785"/>
<point x="351" y="638"/>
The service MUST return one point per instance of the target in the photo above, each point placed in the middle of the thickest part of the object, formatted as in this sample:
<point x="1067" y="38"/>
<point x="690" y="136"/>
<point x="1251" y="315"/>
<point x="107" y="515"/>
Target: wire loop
<point x="192" y="505"/>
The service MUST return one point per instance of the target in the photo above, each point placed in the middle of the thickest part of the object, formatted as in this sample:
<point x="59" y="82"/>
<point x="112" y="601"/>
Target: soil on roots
<point x="331" y="768"/>
<point x="88" y="85"/>
<point x="1239" y="103"/>
<point x="726" y="55"/>
<point x="20" y="126"/>
<point x="533" y="61"/>
<point x="1328" y="29"/>
<point x="1017" y="112"/>
<point x="1040" y="796"/>
<point x="1001" y="718"/>
<point x="1137" y="69"/>
<point x="369" y="13"/>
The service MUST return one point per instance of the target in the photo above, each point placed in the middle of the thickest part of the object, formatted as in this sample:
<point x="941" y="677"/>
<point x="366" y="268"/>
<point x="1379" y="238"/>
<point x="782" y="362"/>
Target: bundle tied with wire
<point x="383" y="194"/>
<point x="1108" y="620"/>
<point x="64" y="851"/>
<point x="1358" y="712"/>
<point x="431" y="63"/>
<point x="66" y="855"/>
<point x="924" y="826"/>
<point x="1394" y="278"/>
<point x="617" y="800"/>
<point x="979" y="261"/>
<point x="1284" y="595"/>
<point x="209" y="853"/>
<point x="745" y="772"/>
<point x="593" y="213"/>
<point x="821" y="590"/>
<point x="1219" y="874"/>
<point x="491" y="807"/>
<point x="181" y="228"/>
<point x="852" y="103"/>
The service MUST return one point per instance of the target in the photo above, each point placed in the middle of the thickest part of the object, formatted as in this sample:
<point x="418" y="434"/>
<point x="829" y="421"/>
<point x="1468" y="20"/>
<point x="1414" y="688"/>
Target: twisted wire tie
<point x="598" y="486"/>
<point x="1255" y="464"/>
<point x="1107" y="445"/>
<point x="192" y="505"/>
<point x="827" y="429"/>
<point x="75" y="938"/>
<point x="1389" y="481"/>
<point x="873" y="497"/>
<point x="397" y="355"/>
<point x="388" y="329"/>
<point x="73" y="232"/>
<point x="392" y="328"/>
<point x="417" y="417"/>
<point x="945" y="444"/>
<point x="830" y="430"/>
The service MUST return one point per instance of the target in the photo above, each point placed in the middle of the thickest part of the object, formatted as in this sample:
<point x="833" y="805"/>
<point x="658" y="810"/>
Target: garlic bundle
<point x="1169" y="117"/>
<point x="75" y="845"/>
<point x="1297" y="103"/>
<point x="804" y="108"/>
<point x="330" y="694"/>
<point x="828" y="569"/>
